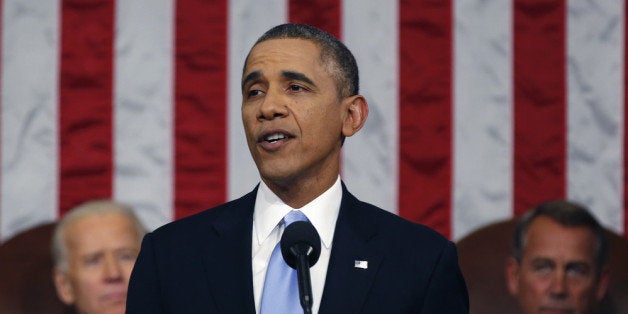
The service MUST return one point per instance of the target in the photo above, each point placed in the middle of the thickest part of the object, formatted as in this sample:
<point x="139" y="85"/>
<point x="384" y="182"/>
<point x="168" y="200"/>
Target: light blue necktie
<point x="281" y="291"/>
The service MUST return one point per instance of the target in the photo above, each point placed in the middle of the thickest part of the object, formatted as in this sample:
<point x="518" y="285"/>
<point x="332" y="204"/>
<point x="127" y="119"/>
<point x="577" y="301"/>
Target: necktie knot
<point x="294" y="215"/>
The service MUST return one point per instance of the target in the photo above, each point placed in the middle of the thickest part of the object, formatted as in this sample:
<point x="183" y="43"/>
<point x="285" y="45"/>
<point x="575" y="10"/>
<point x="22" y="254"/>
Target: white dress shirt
<point x="268" y="213"/>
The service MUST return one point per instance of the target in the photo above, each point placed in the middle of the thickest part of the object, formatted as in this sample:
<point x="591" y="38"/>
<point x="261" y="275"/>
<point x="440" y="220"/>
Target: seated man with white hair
<point x="94" y="249"/>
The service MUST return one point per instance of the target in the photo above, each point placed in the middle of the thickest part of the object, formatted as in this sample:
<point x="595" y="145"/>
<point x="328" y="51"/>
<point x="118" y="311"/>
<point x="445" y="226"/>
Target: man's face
<point x="292" y="115"/>
<point x="102" y="250"/>
<point x="557" y="273"/>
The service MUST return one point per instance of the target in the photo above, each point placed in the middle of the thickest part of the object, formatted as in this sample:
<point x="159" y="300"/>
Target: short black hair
<point x="342" y="64"/>
<point x="567" y="214"/>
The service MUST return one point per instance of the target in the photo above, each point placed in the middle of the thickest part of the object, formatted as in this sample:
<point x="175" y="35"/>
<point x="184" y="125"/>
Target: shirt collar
<point x="322" y="212"/>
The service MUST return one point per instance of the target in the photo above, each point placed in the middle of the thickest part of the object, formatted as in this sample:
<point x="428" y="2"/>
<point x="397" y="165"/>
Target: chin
<point x="276" y="179"/>
<point x="276" y="173"/>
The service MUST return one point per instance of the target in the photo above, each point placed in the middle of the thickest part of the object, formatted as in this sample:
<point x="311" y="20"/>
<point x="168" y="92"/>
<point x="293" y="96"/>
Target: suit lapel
<point x="354" y="261"/>
<point x="227" y="257"/>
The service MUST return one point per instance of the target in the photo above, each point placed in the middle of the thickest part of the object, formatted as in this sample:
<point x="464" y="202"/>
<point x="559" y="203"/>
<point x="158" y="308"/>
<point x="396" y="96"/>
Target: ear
<point x="63" y="286"/>
<point x="356" y="110"/>
<point x="512" y="276"/>
<point x="602" y="285"/>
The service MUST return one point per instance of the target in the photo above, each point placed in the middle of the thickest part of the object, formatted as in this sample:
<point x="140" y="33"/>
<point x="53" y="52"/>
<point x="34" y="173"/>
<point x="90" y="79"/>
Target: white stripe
<point x="595" y="120"/>
<point x="143" y="108"/>
<point x="248" y="19"/>
<point x="29" y="186"/>
<point x="483" y="154"/>
<point x="370" y="167"/>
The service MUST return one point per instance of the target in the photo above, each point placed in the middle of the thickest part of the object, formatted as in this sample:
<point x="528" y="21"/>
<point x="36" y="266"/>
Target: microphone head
<point x="300" y="238"/>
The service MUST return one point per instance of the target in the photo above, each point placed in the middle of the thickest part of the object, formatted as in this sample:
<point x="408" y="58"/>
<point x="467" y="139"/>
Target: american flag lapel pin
<point x="361" y="264"/>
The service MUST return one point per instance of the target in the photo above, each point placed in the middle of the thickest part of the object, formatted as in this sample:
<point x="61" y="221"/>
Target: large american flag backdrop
<point x="478" y="108"/>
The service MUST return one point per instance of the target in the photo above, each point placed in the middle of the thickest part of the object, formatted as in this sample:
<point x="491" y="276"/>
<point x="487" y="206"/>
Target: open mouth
<point x="275" y="137"/>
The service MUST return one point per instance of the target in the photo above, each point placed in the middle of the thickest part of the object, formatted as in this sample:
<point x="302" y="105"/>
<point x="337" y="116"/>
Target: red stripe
<point x="425" y="99"/>
<point x="324" y="14"/>
<point x="539" y="102"/>
<point x="85" y="98"/>
<point x="201" y="102"/>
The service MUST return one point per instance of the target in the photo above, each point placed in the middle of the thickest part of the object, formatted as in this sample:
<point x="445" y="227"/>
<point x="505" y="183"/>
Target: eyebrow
<point x="286" y="74"/>
<point x="297" y="76"/>
<point x="542" y="259"/>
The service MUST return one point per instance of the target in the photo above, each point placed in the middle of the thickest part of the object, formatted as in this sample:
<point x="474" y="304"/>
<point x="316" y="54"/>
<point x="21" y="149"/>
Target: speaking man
<point x="300" y="100"/>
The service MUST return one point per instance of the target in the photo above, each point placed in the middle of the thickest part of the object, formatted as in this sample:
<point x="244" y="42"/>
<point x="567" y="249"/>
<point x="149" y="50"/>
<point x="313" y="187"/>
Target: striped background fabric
<point x="479" y="109"/>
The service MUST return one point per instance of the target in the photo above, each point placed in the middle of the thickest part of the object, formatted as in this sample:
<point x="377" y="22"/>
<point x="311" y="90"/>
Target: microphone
<point x="301" y="248"/>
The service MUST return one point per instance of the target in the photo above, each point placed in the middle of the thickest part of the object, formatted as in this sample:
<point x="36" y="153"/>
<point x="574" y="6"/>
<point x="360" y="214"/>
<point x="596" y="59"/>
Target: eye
<point x="578" y="269"/>
<point x="92" y="260"/>
<point x="254" y="89"/>
<point x="127" y="255"/>
<point x="296" y="88"/>
<point x="254" y="92"/>
<point x="542" y="266"/>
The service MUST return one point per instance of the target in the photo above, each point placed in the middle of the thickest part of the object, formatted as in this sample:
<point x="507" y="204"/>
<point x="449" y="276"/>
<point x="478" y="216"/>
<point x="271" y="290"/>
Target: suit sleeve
<point x="143" y="295"/>
<point x="447" y="291"/>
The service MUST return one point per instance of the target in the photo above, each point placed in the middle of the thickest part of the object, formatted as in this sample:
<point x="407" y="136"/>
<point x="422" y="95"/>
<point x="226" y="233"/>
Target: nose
<point x="112" y="269"/>
<point x="273" y="105"/>
<point x="558" y="287"/>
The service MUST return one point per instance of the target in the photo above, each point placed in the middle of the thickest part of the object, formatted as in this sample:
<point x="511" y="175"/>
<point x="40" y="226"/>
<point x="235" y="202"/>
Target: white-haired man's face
<point x="101" y="252"/>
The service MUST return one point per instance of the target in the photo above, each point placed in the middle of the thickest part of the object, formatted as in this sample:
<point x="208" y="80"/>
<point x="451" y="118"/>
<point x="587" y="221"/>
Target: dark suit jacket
<point x="202" y="264"/>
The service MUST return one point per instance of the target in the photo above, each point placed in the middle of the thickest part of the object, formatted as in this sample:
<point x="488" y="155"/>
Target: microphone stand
<point x="301" y="248"/>
<point x="305" y="285"/>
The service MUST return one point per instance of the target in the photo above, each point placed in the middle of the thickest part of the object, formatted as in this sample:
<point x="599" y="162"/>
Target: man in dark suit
<point x="300" y="101"/>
